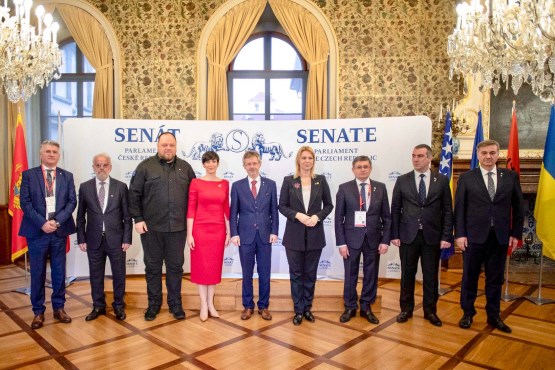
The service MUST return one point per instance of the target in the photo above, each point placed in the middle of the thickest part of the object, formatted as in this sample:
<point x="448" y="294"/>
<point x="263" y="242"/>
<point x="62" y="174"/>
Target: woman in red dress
<point x="208" y="231"/>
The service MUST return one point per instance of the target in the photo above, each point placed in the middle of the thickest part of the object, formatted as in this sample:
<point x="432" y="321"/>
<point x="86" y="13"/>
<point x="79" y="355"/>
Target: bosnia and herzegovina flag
<point x="544" y="211"/>
<point x="446" y="168"/>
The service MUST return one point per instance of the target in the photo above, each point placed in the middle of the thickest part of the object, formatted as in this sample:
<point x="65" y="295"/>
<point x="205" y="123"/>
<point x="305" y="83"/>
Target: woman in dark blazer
<point x="305" y="200"/>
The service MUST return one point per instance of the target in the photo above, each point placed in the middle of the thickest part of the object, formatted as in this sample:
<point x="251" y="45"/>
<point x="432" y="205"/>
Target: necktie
<point x="491" y="186"/>
<point x="50" y="186"/>
<point x="363" y="195"/>
<point x="253" y="188"/>
<point x="422" y="189"/>
<point x="101" y="194"/>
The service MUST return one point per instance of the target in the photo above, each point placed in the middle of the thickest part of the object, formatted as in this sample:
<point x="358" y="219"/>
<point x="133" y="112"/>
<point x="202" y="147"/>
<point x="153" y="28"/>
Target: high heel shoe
<point x="203" y="314"/>
<point x="213" y="313"/>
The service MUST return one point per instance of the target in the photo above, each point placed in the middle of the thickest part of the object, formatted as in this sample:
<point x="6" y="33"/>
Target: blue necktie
<point x="363" y="195"/>
<point x="422" y="189"/>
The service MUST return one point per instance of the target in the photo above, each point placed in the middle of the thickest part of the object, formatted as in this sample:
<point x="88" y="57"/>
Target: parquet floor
<point x="229" y="343"/>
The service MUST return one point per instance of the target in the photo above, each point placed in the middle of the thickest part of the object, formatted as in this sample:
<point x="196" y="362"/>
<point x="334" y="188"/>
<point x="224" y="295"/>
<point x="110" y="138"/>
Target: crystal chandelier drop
<point x="506" y="42"/>
<point x="29" y="57"/>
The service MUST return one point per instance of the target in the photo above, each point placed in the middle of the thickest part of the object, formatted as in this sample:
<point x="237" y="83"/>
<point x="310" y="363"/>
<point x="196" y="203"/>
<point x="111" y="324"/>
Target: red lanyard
<point x="49" y="189"/>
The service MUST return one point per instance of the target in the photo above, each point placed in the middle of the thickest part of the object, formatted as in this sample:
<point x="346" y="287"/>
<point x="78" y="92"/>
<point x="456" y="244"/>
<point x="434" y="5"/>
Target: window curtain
<point x="308" y="36"/>
<point x="94" y="44"/>
<point x="227" y="38"/>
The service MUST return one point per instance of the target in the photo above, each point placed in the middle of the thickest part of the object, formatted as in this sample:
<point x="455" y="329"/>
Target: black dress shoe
<point x="297" y="319"/>
<point x="120" y="314"/>
<point x="433" y="319"/>
<point x="309" y="316"/>
<point x="95" y="313"/>
<point x="465" y="322"/>
<point x="178" y="313"/>
<point x="404" y="316"/>
<point x="347" y="315"/>
<point x="497" y="323"/>
<point x="369" y="315"/>
<point x="151" y="312"/>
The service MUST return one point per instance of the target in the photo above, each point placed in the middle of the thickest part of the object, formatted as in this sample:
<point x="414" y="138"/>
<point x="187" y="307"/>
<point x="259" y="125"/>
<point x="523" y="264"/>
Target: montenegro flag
<point x="545" y="201"/>
<point x="19" y="244"/>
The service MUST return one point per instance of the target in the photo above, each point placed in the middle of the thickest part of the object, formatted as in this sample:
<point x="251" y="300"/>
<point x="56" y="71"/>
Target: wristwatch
<point x="58" y="224"/>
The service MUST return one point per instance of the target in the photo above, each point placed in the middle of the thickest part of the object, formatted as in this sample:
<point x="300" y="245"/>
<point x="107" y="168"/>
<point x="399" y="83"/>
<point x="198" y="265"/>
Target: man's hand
<point x="83" y="247"/>
<point x="344" y="252"/>
<point x="49" y="226"/>
<point x="273" y="238"/>
<point x="461" y="243"/>
<point x="140" y="227"/>
<point x="396" y="242"/>
<point x="444" y="244"/>
<point x="513" y="243"/>
<point x="382" y="248"/>
<point x="236" y="241"/>
<point x="125" y="246"/>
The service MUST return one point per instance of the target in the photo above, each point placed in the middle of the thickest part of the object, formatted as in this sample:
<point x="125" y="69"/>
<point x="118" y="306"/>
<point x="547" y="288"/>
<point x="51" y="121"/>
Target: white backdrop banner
<point x="387" y="141"/>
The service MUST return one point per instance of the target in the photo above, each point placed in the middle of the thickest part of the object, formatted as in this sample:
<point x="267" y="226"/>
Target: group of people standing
<point x="171" y="207"/>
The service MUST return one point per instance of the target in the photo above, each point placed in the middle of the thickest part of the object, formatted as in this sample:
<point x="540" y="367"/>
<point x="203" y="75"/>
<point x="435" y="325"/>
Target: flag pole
<point x="508" y="297"/>
<point x="539" y="300"/>
<point x="27" y="288"/>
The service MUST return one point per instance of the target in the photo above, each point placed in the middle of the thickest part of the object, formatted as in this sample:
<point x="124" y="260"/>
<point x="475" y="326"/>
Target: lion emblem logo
<point x="216" y="144"/>
<point x="275" y="150"/>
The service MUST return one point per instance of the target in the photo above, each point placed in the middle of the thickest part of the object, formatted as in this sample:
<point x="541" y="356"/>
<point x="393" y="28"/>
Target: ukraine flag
<point x="545" y="201"/>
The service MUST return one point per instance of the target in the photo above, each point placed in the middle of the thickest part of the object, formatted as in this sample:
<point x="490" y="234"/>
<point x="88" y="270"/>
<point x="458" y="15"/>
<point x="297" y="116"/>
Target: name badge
<point x="50" y="207"/>
<point x="360" y="219"/>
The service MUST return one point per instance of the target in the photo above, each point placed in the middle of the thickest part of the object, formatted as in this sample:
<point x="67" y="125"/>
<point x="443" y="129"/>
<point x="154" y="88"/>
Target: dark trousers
<point x="53" y="246"/>
<point x="303" y="267"/>
<point x="370" y="269"/>
<point x="261" y="252"/>
<point x="160" y="247"/>
<point x="492" y="255"/>
<point x="97" y="266"/>
<point x="429" y="258"/>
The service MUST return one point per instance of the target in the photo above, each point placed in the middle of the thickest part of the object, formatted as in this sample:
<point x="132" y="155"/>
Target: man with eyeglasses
<point x="362" y="226"/>
<point x="104" y="229"/>
<point x="422" y="224"/>
<point x="47" y="200"/>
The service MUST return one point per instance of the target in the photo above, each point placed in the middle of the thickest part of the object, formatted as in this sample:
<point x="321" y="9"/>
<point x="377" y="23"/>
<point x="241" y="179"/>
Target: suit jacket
<point x="117" y="221"/>
<point x="436" y="215"/>
<point x="248" y="214"/>
<point x="473" y="207"/>
<point x="291" y="202"/>
<point x="378" y="216"/>
<point x="33" y="203"/>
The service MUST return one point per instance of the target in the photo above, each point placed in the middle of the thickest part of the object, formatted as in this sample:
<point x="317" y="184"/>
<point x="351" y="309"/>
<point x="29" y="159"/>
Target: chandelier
<point x="505" y="42"/>
<point x="29" y="56"/>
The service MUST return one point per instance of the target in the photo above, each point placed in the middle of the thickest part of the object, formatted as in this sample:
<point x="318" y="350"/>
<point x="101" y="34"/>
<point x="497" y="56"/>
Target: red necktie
<point x="253" y="188"/>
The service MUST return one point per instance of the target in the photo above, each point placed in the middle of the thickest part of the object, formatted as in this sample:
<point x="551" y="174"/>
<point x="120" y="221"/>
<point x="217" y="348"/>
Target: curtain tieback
<point x="221" y="66"/>
<point x="105" y="66"/>
<point x="313" y="64"/>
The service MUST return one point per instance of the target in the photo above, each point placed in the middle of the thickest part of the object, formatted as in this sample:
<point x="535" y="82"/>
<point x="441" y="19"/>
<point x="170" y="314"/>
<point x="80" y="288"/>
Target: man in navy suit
<point x="254" y="224"/>
<point x="104" y="229"/>
<point x="422" y="225"/>
<point x="489" y="219"/>
<point x="362" y="225"/>
<point x="47" y="200"/>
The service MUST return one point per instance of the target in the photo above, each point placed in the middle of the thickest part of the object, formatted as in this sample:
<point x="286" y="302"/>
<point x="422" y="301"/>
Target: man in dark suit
<point x="362" y="225"/>
<point x="489" y="219"/>
<point x="104" y="229"/>
<point x="254" y="226"/>
<point x="422" y="225"/>
<point x="47" y="200"/>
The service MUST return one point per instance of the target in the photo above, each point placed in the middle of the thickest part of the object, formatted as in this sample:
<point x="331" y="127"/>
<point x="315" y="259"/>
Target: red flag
<point x="513" y="157"/>
<point x="19" y="164"/>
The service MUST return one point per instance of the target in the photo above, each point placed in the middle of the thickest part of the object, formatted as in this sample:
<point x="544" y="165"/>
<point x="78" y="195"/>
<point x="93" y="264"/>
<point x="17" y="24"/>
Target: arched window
<point x="267" y="80"/>
<point x="71" y="94"/>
